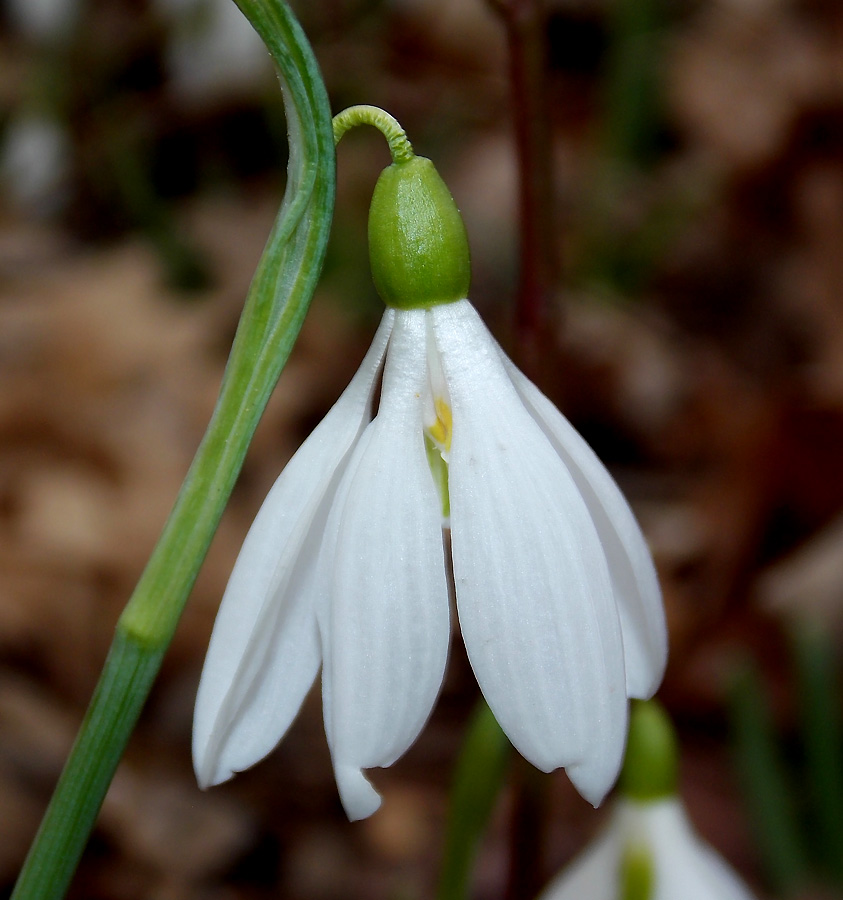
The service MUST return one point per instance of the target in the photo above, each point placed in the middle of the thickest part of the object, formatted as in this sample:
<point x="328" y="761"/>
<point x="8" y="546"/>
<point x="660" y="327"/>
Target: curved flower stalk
<point x="345" y="566"/>
<point x="649" y="850"/>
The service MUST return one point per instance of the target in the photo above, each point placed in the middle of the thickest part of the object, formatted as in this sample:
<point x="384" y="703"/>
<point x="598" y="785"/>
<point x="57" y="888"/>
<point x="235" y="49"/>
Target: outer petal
<point x="634" y="578"/>
<point x="264" y="652"/>
<point x="386" y="632"/>
<point x="533" y="588"/>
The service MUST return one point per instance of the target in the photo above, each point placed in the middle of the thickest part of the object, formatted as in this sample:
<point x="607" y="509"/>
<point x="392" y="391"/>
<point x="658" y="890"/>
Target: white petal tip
<point x="645" y="690"/>
<point x="207" y="780"/>
<point x="359" y="798"/>
<point x="593" y="793"/>
<point x="210" y="772"/>
<point x="595" y="778"/>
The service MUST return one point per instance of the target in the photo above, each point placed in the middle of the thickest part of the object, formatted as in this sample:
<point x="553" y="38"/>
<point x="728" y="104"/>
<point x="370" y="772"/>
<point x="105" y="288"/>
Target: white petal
<point x="386" y="632"/>
<point x="264" y="652"/>
<point x="533" y="588"/>
<point x="634" y="578"/>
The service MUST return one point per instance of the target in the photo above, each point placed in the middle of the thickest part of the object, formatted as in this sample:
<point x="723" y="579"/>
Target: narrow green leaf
<point x="479" y="776"/>
<point x="125" y="681"/>
<point x="632" y="82"/>
<point x="818" y="680"/>
<point x="765" y="784"/>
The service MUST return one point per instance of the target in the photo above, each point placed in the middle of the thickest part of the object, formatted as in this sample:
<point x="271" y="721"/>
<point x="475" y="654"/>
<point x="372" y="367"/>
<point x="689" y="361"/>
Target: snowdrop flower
<point x="652" y="848"/>
<point x="649" y="850"/>
<point x="345" y="565"/>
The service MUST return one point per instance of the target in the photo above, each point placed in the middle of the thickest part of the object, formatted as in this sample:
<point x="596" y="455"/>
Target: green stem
<point x="632" y="81"/>
<point x="822" y="734"/>
<point x="275" y="307"/>
<point x="480" y="775"/>
<point x="399" y="146"/>
<point x="765" y="784"/>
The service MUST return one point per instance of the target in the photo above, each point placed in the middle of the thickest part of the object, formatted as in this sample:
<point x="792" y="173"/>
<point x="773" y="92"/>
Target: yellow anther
<point x="440" y="430"/>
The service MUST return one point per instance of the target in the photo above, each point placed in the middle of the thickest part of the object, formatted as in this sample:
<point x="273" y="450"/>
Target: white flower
<point x="35" y="162"/>
<point x="43" y="20"/>
<point x="211" y="49"/>
<point x="681" y="866"/>
<point x="344" y="567"/>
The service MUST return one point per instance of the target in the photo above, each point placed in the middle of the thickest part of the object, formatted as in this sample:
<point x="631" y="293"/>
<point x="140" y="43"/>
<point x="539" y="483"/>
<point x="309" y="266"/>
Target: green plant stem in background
<point x="616" y="254"/>
<point x="632" y="83"/>
<point x="765" y="784"/>
<point x="275" y="307"/>
<point x="818" y="681"/>
<point x="480" y="774"/>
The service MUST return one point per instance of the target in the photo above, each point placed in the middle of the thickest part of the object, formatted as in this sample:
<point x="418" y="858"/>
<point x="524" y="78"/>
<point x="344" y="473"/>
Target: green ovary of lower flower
<point x="636" y="872"/>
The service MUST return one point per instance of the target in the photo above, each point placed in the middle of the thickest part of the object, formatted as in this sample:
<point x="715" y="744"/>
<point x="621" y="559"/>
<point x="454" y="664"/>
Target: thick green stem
<point x="278" y="300"/>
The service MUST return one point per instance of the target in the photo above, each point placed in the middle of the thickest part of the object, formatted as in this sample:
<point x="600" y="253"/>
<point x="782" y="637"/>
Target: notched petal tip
<point x="592" y="788"/>
<point x="597" y="774"/>
<point x="209" y="769"/>
<point x="359" y="798"/>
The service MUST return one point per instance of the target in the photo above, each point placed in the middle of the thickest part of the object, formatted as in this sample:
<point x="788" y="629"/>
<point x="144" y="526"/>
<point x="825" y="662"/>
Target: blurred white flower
<point x="43" y="20"/>
<point x="648" y="851"/>
<point x="345" y="567"/>
<point x="212" y="50"/>
<point x="35" y="162"/>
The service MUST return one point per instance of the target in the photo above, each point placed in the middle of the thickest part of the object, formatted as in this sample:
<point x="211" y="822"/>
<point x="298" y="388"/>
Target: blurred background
<point x="677" y="169"/>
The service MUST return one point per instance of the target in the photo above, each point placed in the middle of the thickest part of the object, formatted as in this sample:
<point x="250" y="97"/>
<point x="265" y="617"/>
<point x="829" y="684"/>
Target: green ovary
<point x="637" y="874"/>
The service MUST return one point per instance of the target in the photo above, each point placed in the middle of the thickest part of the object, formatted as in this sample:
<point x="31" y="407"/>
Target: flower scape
<point x="345" y="567"/>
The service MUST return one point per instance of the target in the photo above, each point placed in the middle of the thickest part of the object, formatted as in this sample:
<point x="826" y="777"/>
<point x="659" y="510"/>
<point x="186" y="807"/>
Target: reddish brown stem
<point x="525" y="22"/>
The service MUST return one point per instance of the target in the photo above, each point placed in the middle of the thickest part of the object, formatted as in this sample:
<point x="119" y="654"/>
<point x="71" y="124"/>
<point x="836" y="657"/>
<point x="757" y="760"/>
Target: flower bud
<point x="418" y="246"/>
